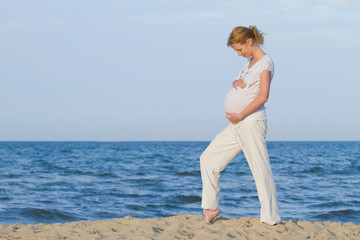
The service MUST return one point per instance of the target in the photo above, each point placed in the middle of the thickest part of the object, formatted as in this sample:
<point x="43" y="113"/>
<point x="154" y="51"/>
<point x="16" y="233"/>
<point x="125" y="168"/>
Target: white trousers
<point x="249" y="137"/>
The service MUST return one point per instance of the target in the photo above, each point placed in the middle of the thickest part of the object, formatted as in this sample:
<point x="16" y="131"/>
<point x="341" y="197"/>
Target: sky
<point x="130" y="70"/>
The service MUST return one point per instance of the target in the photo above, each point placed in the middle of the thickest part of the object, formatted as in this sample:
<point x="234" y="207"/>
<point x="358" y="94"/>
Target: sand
<point x="182" y="227"/>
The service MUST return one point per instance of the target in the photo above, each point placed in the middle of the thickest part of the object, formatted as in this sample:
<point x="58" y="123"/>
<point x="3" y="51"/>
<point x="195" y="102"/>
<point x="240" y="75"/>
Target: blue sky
<point x="159" y="70"/>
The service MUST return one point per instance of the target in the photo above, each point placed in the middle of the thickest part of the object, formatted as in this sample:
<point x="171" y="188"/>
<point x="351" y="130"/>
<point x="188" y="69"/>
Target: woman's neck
<point x="257" y="53"/>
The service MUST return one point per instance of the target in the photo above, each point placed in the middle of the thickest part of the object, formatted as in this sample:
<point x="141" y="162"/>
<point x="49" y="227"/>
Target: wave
<point x="194" y="173"/>
<point x="344" y="215"/>
<point x="188" y="199"/>
<point x="38" y="215"/>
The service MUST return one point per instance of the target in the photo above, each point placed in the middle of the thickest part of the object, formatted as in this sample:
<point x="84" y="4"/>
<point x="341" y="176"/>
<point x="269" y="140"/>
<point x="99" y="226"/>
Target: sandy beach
<point x="182" y="227"/>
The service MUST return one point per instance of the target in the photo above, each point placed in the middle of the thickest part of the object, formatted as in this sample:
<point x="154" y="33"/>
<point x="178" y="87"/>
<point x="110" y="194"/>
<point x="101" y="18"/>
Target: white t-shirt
<point x="238" y="99"/>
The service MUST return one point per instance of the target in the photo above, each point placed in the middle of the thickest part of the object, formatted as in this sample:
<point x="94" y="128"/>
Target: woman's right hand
<point x="239" y="83"/>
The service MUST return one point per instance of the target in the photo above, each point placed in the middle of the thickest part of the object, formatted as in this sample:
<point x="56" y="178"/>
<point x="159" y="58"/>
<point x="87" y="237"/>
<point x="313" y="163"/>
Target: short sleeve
<point x="266" y="64"/>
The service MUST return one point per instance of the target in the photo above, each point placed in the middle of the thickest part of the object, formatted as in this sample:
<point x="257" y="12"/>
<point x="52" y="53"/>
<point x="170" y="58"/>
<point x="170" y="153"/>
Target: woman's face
<point x="244" y="50"/>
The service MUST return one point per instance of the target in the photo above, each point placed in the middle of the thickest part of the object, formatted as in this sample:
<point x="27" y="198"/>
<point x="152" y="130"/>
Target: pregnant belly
<point x="237" y="100"/>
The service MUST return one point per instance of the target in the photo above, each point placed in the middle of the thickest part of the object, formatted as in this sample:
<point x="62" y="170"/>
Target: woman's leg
<point x="213" y="160"/>
<point x="252" y="137"/>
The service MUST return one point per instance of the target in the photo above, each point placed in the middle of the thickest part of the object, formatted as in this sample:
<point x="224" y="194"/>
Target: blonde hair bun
<point x="241" y="34"/>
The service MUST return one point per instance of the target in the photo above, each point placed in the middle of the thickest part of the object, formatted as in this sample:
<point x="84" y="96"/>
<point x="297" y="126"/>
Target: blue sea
<point x="48" y="182"/>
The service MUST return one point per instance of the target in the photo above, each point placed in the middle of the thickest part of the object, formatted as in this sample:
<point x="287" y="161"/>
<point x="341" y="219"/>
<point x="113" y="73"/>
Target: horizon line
<point x="169" y="140"/>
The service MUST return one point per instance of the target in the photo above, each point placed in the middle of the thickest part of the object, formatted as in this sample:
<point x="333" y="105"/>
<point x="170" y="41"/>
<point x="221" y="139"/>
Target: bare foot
<point x="210" y="215"/>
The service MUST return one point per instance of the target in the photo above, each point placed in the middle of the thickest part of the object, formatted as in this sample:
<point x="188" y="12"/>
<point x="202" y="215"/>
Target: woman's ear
<point x="249" y="42"/>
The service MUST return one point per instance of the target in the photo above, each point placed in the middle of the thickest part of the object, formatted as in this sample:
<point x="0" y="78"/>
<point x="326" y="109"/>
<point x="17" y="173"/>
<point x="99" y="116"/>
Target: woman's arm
<point x="257" y="102"/>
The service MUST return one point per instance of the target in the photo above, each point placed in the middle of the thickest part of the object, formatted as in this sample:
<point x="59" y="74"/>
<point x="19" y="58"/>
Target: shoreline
<point x="186" y="226"/>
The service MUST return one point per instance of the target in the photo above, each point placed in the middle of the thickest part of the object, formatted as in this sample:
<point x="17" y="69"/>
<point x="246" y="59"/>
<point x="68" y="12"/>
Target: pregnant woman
<point x="244" y="108"/>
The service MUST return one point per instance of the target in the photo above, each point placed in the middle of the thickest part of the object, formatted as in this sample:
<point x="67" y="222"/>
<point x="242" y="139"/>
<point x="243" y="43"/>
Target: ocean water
<point x="48" y="182"/>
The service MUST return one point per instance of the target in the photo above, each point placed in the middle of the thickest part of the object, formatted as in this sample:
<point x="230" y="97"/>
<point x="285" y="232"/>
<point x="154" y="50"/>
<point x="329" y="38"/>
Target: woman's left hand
<point x="239" y="83"/>
<point x="234" y="118"/>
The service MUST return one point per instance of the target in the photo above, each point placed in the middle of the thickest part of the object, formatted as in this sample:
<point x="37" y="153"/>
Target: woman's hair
<point x="241" y="34"/>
